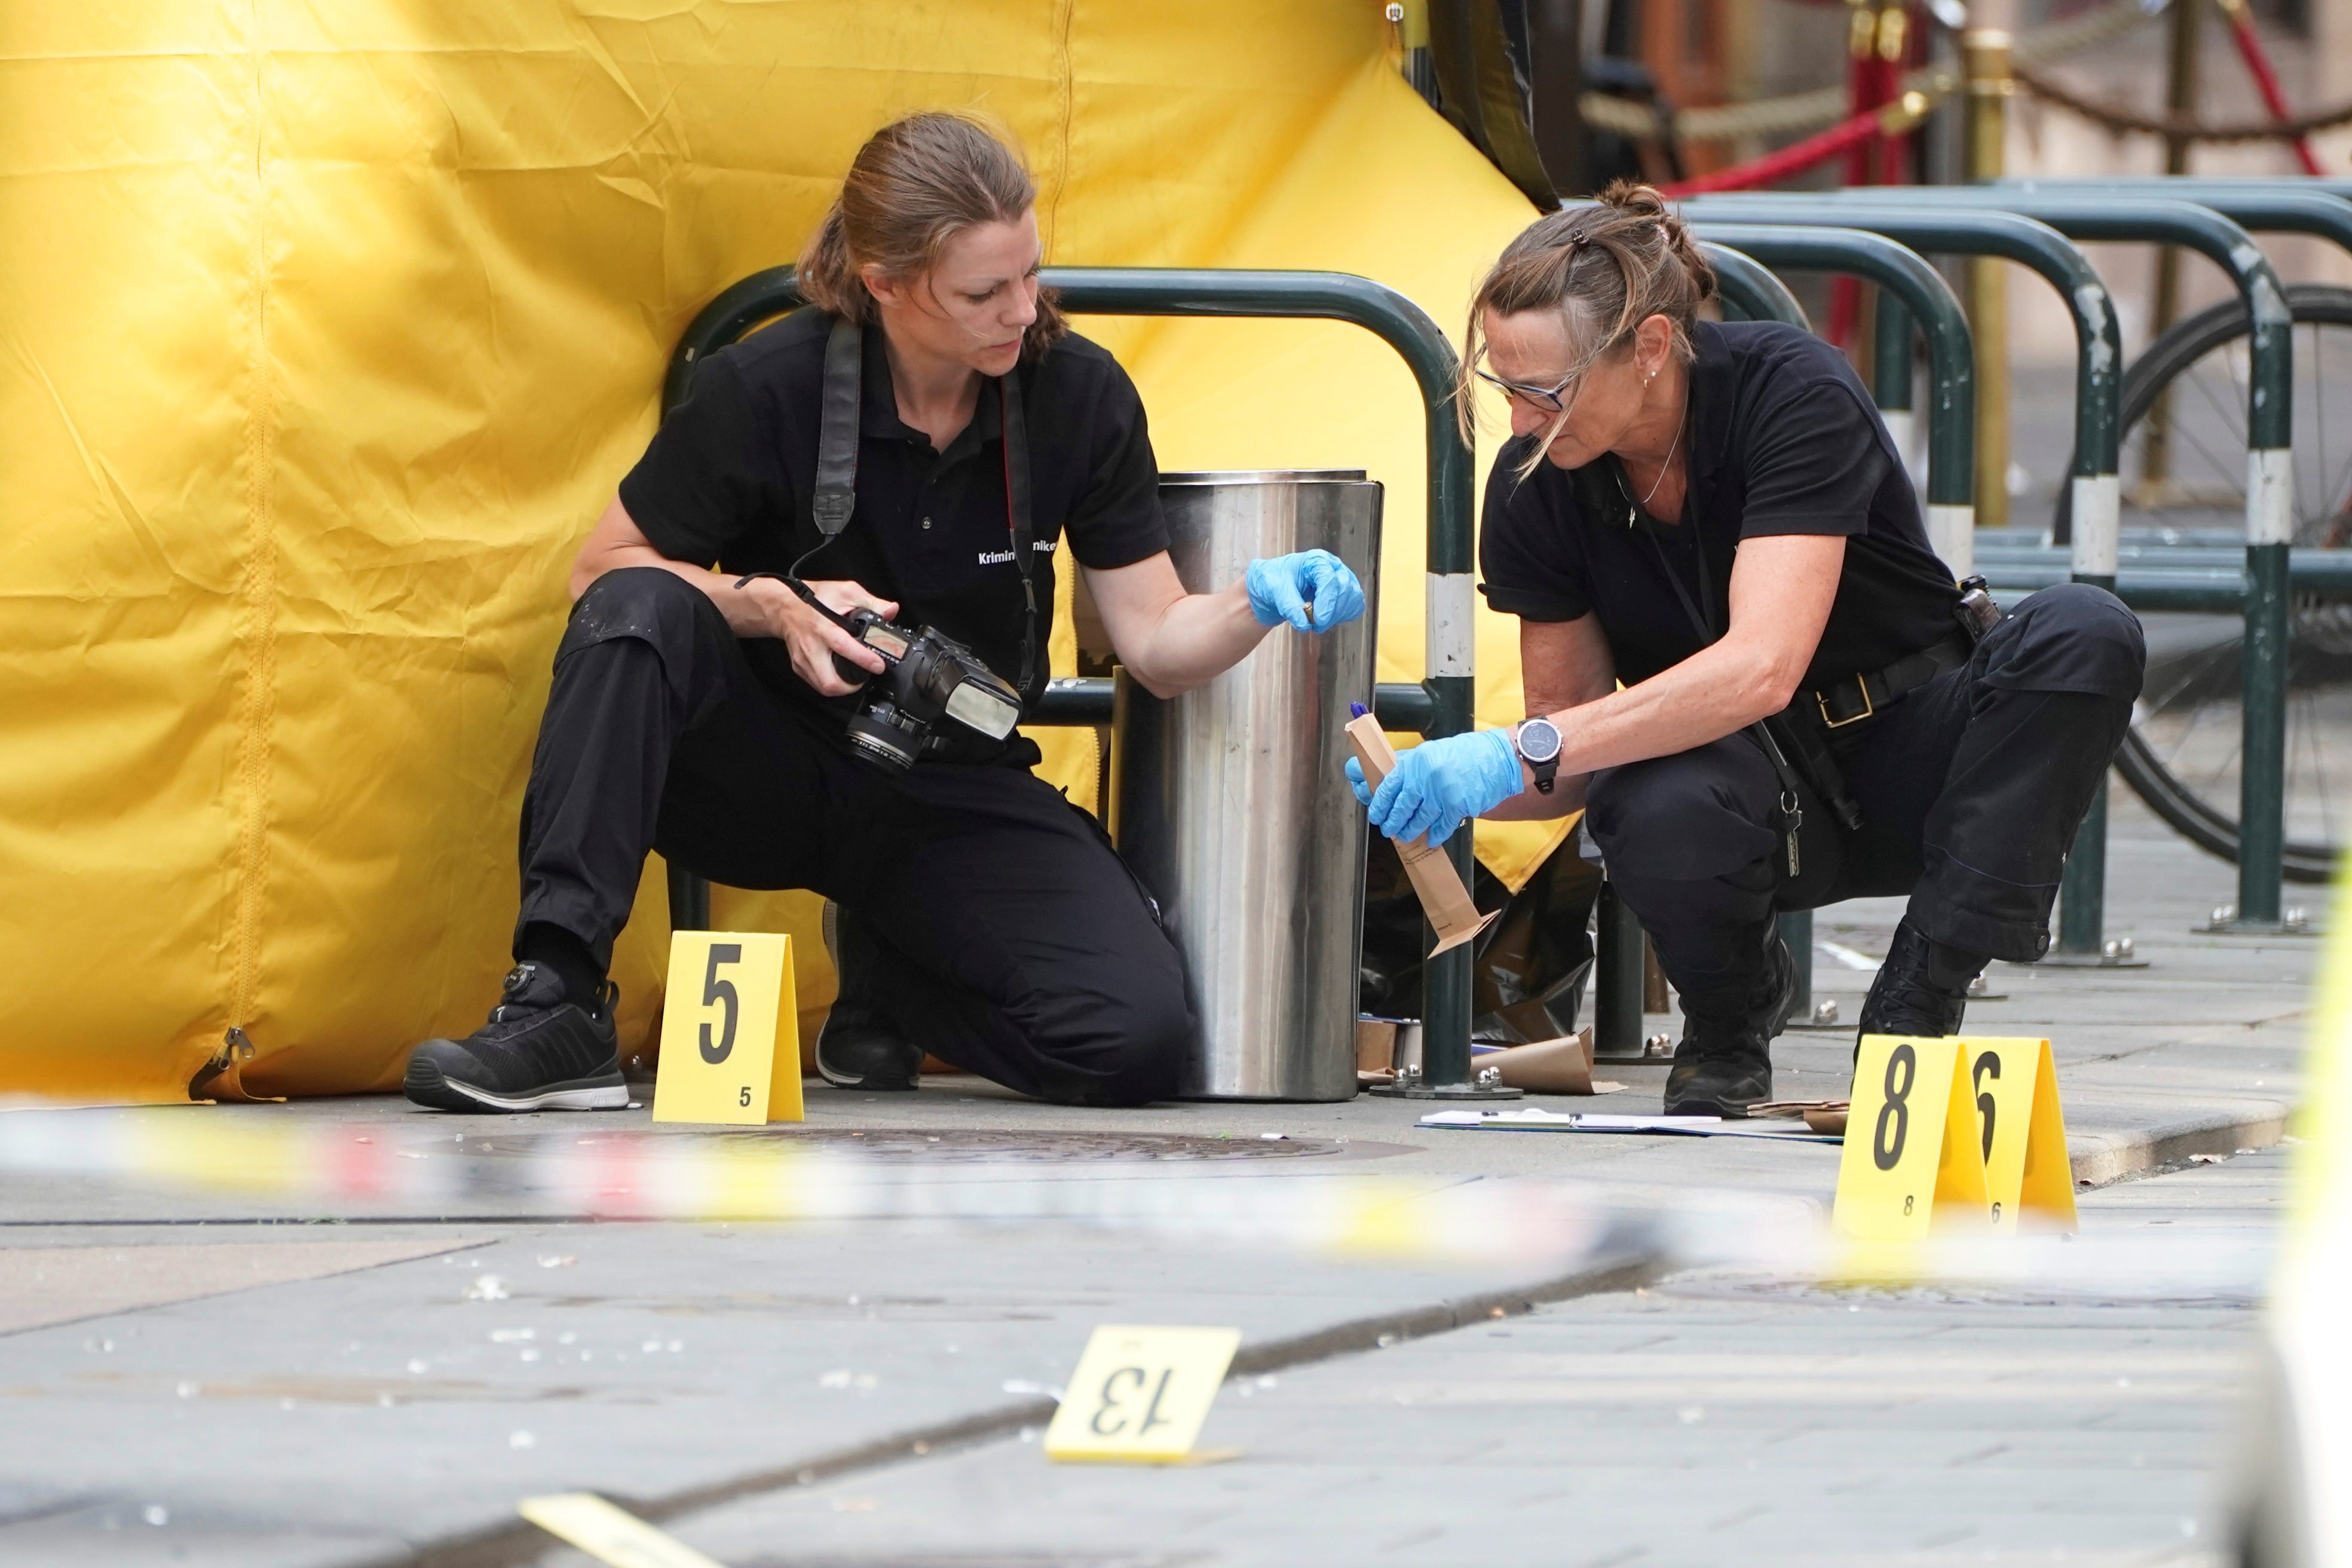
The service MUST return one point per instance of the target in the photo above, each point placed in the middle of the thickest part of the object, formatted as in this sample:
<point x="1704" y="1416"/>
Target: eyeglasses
<point x="1546" y="398"/>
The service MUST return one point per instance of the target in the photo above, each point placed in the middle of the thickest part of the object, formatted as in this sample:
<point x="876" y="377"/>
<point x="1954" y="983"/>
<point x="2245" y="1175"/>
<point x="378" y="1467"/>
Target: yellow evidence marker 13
<point x="730" y="1045"/>
<point x="2021" y="1131"/>
<point x="1139" y="1394"/>
<point x="1911" y="1147"/>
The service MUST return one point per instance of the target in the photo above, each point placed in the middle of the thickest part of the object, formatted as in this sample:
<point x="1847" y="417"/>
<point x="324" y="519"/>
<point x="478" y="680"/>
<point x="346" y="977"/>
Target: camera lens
<point x="881" y="734"/>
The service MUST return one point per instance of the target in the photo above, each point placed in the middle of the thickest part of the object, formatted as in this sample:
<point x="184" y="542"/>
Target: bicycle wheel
<point x="2184" y="466"/>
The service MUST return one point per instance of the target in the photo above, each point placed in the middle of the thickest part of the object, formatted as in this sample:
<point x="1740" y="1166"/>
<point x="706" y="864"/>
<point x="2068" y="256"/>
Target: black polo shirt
<point x="729" y="476"/>
<point x="1783" y="440"/>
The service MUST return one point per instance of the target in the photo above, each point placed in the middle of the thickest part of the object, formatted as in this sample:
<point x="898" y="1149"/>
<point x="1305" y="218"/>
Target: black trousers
<point x="1970" y="788"/>
<point x="1015" y="942"/>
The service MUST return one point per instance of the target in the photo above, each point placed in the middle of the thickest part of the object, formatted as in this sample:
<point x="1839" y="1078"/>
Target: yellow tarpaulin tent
<point x="330" y="326"/>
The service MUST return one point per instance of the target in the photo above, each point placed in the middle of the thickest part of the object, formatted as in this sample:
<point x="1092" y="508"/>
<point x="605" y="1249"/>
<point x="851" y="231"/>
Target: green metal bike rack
<point x="1925" y="299"/>
<point x="2095" y="490"/>
<point x="1936" y="230"/>
<point x="1441" y="704"/>
<point x="2270" y="497"/>
<point x="2255" y="205"/>
<point x="1749" y="286"/>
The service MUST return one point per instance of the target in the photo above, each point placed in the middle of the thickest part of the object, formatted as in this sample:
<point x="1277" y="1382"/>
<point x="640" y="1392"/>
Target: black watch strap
<point x="1545" y="771"/>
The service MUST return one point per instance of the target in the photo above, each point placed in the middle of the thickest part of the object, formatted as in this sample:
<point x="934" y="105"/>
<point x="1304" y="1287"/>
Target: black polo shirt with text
<point x="729" y="478"/>
<point x="1783" y="440"/>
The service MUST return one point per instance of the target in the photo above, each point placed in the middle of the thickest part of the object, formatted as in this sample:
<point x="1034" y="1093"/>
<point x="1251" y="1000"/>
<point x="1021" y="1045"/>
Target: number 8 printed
<point x="1895" y="1115"/>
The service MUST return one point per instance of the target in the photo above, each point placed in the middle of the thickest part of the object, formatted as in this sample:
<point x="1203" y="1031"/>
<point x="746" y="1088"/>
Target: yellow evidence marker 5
<point x="1911" y="1149"/>
<point x="1139" y="1394"/>
<point x="730" y="1045"/>
<point x="2021" y="1131"/>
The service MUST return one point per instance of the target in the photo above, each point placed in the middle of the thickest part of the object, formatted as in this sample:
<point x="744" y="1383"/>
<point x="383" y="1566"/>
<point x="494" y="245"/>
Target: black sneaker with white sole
<point x="539" y="1051"/>
<point x="859" y="1047"/>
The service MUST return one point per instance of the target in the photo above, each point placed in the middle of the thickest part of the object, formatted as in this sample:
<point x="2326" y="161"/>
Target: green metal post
<point x="1748" y="285"/>
<point x="1331" y="296"/>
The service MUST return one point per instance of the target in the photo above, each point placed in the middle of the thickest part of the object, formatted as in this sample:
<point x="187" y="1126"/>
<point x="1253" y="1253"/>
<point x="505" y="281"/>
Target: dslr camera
<point x="925" y="675"/>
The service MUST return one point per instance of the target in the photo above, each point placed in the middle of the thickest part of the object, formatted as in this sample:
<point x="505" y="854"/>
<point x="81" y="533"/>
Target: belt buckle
<point x="1820" y="700"/>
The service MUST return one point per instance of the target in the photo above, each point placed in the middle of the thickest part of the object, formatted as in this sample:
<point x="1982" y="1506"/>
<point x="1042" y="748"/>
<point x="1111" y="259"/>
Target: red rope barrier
<point x="2258" y="66"/>
<point x="1891" y="120"/>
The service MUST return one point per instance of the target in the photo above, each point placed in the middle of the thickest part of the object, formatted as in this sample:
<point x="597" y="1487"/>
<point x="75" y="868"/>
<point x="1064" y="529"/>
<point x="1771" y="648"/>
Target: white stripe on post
<point x="2097" y="516"/>
<point x="2270" y="495"/>
<point x="1453" y="600"/>
<point x="1952" y="535"/>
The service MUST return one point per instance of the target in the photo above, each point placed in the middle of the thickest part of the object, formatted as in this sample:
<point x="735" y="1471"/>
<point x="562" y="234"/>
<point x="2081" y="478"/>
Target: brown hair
<point x="915" y="186"/>
<point x="1618" y="262"/>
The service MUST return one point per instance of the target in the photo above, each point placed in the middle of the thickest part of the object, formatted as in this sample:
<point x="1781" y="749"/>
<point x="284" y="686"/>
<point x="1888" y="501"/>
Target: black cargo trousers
<point x="1970" y="789"/>
<point x="1015" y="944"/>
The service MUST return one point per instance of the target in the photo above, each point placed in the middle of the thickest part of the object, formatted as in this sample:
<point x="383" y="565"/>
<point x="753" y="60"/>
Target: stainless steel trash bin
<point x="1232" y="805"/>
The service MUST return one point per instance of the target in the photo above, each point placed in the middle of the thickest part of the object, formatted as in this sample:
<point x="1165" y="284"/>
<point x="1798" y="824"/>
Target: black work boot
<point x="1721" y="1067"/>
<point x="1922" y="989"/>
<point x="539" y="1051"/>
<point x="859" y="1047"/>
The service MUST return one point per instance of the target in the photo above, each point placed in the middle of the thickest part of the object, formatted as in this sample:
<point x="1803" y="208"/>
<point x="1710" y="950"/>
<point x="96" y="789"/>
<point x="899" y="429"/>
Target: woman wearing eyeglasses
<point x="1743" y="661"/>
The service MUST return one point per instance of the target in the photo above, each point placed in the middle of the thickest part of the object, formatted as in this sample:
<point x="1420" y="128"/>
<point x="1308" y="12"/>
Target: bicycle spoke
<point x="2232" y="414"/>
<point x="2236" y="481"/>
<point x="2197" y="666"/>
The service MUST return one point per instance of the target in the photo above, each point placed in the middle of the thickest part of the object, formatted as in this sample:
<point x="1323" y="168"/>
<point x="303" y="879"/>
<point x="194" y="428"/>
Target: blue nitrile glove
<point x="1281" y="589"/>
<point x="1439" y="782"/>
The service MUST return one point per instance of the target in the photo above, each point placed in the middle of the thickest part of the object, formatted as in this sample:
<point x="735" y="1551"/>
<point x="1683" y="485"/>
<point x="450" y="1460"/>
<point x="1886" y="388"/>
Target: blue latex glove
<point x="1283" y="588"/>
<point x="1438" y="783"/>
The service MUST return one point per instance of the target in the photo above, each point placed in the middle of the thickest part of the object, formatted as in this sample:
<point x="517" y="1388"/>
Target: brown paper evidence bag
<point x="1443" y="898"/>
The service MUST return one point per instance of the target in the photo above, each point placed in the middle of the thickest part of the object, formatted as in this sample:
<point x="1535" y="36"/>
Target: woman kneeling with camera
<point x="1812" y="710"/>
<point x="882" y="481"/>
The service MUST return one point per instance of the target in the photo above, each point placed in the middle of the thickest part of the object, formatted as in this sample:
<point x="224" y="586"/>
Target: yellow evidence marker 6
<point x="1911" y="1146"/>
<point x="1139" y="1394"/>
<point x="2020" y="1131"/>
<point x="730" y="1045"/>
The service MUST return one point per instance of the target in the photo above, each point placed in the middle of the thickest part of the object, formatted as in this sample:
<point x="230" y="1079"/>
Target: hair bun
<point x="1634" y="196"/>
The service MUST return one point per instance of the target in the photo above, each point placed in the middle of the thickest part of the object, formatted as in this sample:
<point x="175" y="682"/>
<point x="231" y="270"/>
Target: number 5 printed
<point x="721" y="993"/>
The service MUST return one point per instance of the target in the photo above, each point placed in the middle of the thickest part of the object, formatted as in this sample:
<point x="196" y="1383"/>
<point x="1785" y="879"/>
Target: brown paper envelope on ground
<point x="1443" y="898"/>
<point x="1564" y="1065"/>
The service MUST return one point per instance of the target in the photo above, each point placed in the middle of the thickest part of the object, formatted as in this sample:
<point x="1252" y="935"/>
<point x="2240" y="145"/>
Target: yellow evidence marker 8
<point x="609" y="1534"/>
<point x="2020" y="1131"/>
<point x="731" y="1045"/>
<point x="1138" y="1394"/>
<point x="1911" y="1149"/>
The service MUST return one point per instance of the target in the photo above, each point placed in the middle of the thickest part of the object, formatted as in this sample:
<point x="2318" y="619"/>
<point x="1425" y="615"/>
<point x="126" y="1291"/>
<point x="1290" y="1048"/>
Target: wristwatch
<point x="1537" y="740"/>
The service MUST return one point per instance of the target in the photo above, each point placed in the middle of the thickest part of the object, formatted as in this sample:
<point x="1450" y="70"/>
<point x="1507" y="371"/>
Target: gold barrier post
<point x="1986" y="53"/>
<point x="2180" y="99"/>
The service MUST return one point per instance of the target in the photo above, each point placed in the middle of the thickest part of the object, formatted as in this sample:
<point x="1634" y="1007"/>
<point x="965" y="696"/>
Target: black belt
<point x="1853" y="698"/>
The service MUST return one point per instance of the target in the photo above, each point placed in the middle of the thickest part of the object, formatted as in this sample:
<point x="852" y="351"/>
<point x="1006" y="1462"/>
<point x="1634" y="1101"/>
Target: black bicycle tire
<point x="2186" y="342"/>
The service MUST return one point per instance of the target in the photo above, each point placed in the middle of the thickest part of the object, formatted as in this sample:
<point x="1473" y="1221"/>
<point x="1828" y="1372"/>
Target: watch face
<point x="1538" y="740"/>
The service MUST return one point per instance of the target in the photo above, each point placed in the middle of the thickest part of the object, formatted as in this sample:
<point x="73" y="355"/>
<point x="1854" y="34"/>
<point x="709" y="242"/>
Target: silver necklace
<point x="1670" y="447"/>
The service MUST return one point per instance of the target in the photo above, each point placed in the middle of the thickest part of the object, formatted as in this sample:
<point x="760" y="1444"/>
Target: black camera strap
<point x="836" y="468"/>
<point x="1016" y="514"/>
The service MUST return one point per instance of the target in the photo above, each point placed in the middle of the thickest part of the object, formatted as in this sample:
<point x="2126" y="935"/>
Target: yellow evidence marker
<point x="1139" y="1394"/>
<point x="730" y="1045"/>
<point x="1911" y="1146"/>
<point x="609" y="1534"/>
<point x="2020" y="1131"/>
